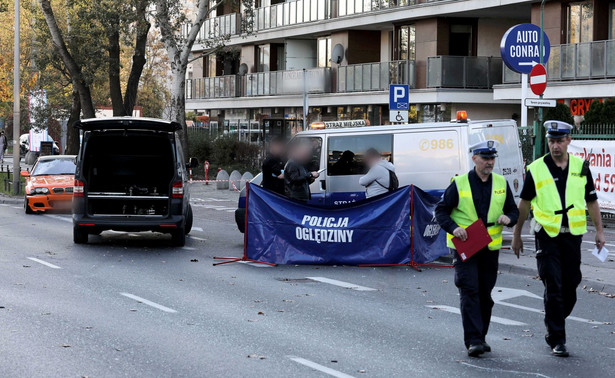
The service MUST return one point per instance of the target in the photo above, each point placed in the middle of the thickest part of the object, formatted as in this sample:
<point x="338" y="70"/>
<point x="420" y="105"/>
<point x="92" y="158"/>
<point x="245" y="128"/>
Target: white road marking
<point x="257" y="265"/>
<point x="219" y="200"/>
<point x="17" y="207"/>
<point x="216" y="207"/>
<point x="612" y="348"/>
<point x="495" y="319"/>
<point x="341" y="284"/>
<point x="59" y="217"/>
<point x="538" y="311"/>
<point x="5" y="204"/>
<point x="516" y="372"/>
<point x="502" y="293"/>
<point x="196" y="238"/>
<point x="320" y="368"/>
<point x="199" y="229"/>
<point x="149" y="303"/>
<point x="44" y="263"/>
<point x="188" y="248"/>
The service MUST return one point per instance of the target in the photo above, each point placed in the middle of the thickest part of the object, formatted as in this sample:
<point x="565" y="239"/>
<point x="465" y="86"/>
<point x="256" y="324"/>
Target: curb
<point x="10" y="200"/>
<point x="599" y="286"/>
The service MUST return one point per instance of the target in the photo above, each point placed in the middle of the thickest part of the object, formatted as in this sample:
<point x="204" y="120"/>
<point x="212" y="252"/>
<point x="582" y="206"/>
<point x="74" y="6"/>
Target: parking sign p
<point x="399" y="95"/>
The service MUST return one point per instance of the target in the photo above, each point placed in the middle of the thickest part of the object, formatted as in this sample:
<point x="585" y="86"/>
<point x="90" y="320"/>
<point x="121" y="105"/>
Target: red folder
<point x="478" y="238"/>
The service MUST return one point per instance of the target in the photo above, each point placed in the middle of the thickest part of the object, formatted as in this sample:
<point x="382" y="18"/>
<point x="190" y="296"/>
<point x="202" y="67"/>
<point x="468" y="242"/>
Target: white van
<point x="427" y="155"/>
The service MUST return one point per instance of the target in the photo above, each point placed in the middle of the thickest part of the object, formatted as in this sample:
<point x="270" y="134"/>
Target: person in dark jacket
<point x="297" y="178"/>
<point x="273" y="167"/>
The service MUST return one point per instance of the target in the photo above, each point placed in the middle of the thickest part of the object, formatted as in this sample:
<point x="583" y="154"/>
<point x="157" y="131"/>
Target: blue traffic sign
<point x="399" y="97"/>
<point x="520" y="48"/>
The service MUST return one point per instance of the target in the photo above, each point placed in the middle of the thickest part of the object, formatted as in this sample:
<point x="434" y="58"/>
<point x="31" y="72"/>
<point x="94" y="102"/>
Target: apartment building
<point x="447" y="51"/>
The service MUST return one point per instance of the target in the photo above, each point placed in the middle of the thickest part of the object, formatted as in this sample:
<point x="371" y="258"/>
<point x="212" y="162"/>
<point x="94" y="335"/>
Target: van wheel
<point x="189" y="220"/>
<point x="79" y="236"/>
<point x="27" y="208"/>
<point x="179" y="237"/>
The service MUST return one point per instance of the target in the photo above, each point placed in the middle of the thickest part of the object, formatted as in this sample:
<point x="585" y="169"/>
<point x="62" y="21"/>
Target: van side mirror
<point x="24" y="174"/>
<point x="193" y="162"/>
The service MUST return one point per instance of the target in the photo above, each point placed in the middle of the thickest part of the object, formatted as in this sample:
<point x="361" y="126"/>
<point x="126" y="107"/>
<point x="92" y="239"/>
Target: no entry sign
<point x="538" y="79"/>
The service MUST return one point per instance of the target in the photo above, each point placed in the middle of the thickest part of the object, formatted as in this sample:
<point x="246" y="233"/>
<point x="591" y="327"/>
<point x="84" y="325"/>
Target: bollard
<point x="206" y="172"/>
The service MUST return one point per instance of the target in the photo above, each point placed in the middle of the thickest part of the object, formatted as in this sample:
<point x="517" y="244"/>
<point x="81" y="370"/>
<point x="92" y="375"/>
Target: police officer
<point x="558" y="186"/>
<point x="485" y="195"/>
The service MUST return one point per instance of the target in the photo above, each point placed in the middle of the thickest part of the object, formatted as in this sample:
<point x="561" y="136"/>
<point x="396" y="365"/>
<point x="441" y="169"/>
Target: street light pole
<point x="16" y="104"/>
<point x="538" y="125"/>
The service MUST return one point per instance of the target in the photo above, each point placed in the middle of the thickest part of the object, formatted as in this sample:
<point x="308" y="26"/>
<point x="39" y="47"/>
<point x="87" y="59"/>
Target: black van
<point x="131" y="176"/>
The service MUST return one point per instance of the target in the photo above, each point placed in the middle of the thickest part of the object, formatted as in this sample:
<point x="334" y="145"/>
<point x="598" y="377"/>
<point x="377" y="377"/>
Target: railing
<point x="213" y="87"/>
<point x="216" y="27"/>
<point x="301" y="11"/>
<point x="291" y="13"/>
<point x="318" y="80"/>
<point x="375" y="76"/>
<point x="479" y="72"/>
<point x="576" y="61"/>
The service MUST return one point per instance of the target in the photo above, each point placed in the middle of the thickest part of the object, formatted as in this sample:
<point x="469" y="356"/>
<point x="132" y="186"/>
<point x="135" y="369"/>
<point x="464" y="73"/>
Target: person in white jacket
<point x="376" y="181"/>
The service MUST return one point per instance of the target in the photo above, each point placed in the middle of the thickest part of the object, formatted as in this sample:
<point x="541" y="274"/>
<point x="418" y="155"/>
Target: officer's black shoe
<point x="560" y="351"/>
<point x="476" y="350"/>
<point x="486" y="347"/>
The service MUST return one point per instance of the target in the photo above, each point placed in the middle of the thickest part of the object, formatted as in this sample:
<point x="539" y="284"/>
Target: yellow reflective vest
<point x="465" y="212"/>
<point x="547" y="205"/>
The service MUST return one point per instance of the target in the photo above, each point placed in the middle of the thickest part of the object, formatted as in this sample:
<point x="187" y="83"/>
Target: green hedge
<point x="224" y="152"/>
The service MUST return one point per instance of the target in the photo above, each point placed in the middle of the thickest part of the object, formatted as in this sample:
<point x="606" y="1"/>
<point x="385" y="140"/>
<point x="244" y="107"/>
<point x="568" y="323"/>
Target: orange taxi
<point x="50" y="184"/>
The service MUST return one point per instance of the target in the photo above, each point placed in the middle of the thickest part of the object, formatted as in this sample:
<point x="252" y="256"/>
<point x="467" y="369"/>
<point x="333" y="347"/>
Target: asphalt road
<point x="132" y="305"/>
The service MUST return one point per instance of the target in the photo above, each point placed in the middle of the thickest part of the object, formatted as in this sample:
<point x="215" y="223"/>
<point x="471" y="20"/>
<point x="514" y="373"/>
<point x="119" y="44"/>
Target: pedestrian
<point x="478" y="194"/>
<point x="3" y="146"/>
<point x="273" y="167"/>
<point x="558" y="187"/>
<point x="381" y="176"/>
<point x="297" y="178"/>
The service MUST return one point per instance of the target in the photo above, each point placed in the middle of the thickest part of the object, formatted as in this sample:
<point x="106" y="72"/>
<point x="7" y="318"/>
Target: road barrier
<point x="379" y="231"/>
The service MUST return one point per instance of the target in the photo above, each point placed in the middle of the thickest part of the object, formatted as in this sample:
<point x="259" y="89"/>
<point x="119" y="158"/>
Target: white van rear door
<point x="510" y="159"/>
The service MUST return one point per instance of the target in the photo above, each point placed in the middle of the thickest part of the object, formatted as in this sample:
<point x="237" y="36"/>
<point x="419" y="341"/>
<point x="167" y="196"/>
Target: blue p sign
<point x="399" y="97"/>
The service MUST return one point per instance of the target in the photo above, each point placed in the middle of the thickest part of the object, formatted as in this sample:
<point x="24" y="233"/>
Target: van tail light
<point x="178" y="190"/>
<point x="78" y="190"/>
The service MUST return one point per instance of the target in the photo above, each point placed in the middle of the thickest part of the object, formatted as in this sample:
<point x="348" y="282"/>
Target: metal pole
<point x="523" y="97"/>
<point x="538" y="151"/>
<point x="305" y="99"/>
<point x="16" y="104"/>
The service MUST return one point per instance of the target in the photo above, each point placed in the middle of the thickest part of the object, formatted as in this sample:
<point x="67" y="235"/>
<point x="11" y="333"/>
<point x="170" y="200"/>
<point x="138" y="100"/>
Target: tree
<point x="600" y="113"/>
<point x="561" y="112"/>
<point x="179" y="32"/>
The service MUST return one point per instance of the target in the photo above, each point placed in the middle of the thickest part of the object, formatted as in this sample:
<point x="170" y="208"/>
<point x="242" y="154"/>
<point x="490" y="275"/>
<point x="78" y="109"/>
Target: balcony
<point x="277" y="83"/>
<point x="213" y="87"/>
<point x="466" y="72"/>
<point x="303" y="11"/>
<point x="216" y="27"/>
<point x="375" y="76"/>
<point x="576" y="61"/>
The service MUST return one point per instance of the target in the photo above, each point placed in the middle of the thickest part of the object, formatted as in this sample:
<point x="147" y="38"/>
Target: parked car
<point x="50" y="184"/>
<point x="131" y="176"/>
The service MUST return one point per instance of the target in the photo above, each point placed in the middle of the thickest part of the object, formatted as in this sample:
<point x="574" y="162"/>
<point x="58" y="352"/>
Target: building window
<point x="406" y="42"/>
<point x="580" y="22"/>
<point x="324" y="52"/>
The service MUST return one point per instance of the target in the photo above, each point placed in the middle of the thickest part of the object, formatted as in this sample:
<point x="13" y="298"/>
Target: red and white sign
<point x="538" y="79"/>
<point x="601" y="156"/>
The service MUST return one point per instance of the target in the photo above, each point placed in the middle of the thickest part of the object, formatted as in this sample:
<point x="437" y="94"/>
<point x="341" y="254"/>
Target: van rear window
<point x="345" y="153"/>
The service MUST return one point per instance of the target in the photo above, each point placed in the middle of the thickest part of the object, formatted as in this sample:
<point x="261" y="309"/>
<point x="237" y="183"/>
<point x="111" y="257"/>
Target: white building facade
<point x="447" y="51"/>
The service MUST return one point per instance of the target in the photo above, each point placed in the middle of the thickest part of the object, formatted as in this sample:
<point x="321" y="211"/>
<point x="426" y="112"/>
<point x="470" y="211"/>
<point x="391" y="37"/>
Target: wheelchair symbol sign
<point x="398" y="116"/>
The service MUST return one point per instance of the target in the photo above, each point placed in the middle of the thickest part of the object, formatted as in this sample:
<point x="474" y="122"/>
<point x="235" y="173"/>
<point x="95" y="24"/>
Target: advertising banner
<point x="281" y="231"/>
<point x="429" y="240"/>
<point x="601" y="156"/>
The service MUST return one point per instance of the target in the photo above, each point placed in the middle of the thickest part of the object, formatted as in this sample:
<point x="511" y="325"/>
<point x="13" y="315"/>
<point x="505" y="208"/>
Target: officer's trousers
<point x="475" y="279"/>
<point x="559" y="268"/>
